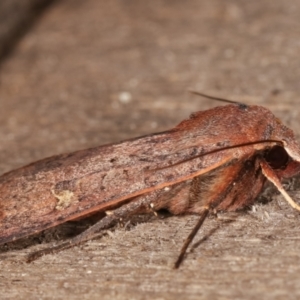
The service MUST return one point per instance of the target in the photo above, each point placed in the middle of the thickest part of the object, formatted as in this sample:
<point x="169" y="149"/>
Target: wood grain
<point x="63" y="89"/>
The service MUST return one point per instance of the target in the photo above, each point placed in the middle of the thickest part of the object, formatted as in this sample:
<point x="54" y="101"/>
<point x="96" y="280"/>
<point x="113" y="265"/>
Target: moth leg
<point x="220" y="190"/>
<point x="151" y="206"/>
<point x="138" y="205"/>
<point x="191" y="237"/>
<point x="106" y="222"/>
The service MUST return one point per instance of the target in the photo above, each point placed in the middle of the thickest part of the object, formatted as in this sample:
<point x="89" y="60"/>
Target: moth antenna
<point x="272" y="177"/>
<point x="191" y="237"/>
<point x="276" y="142"/>
<point x="215" y="98"/>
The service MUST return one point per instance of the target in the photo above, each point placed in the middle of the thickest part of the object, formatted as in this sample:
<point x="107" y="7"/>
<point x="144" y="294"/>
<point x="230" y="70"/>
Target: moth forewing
<point x="163" y="170"/>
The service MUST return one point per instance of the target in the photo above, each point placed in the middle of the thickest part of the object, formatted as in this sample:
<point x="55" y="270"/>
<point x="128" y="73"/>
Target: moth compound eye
<point x="277" y="157"/>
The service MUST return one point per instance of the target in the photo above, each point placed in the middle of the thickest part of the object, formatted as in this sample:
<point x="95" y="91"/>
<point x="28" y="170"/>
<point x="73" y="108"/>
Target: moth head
<point x="277" y="157"/>
<point x="284" y="158"/>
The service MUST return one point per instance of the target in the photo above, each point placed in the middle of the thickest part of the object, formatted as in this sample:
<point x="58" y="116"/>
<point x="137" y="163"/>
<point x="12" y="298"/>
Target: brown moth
<point x="217" y="160"/>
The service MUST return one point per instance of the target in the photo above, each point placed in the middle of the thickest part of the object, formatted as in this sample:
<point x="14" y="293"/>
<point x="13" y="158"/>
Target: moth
<point x="217" y="160"/>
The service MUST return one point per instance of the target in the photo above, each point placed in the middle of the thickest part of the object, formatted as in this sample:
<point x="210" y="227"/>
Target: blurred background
<point x="76" y="74"/>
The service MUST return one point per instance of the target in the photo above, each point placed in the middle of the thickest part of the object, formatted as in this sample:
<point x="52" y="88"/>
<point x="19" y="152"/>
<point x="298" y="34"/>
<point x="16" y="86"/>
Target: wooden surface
<point x="16" y="18"/>
<point x="93" y="72"/>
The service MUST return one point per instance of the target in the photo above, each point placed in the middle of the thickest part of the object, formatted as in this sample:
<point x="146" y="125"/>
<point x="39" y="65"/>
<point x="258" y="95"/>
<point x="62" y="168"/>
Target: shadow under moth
<point x="217" y="160"/>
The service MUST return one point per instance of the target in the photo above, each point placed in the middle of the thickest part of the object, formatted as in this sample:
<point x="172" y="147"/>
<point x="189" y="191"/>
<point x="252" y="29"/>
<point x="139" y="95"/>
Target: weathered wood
<point x="94" y="72"/>
<point x="16" y="18"/>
